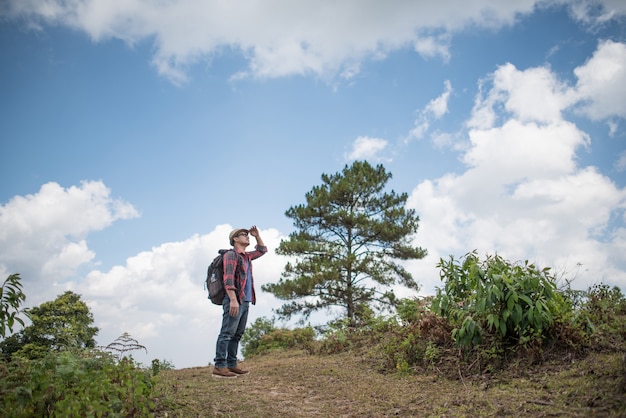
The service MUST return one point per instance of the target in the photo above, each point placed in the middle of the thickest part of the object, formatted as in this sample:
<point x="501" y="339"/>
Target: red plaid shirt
<point x="238" y="284"/>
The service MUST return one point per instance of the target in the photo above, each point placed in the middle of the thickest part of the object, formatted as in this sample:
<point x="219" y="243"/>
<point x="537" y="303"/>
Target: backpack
<point x="214" y="282"/>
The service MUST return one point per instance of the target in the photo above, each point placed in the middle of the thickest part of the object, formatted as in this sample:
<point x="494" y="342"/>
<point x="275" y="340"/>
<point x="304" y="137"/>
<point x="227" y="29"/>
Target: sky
<point x="136" y="134"/>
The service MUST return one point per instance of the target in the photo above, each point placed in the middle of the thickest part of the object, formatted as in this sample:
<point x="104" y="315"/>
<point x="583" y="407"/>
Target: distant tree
<point x="11" y="297"/>
<point x="349" y="236"/>
<point x="61" y="324"/>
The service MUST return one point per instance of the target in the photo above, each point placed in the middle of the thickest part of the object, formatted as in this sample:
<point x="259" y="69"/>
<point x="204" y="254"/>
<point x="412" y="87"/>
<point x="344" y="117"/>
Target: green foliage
<point x="604" y="314"/>
<point x="349" y="237"/>
<point x="284" y="338"/>
<point x="418" y="341"/>
<point x="342" y="335"/>
<point x="74" y="384"/>
<point x="411" y="310"/>
<point x="160" y="365"/>
<point x="605" y="303"/>
<point x="11" y="297"/>
<point x="251" y="338"/>
<point x="262" y="337"/>
<point x="514" y="303"/>
<point x="50" y="368"/>
<point x="62" y="324"/>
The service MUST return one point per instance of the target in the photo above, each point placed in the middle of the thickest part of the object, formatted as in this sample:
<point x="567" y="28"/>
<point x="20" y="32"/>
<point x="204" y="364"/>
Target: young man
<point x="239" y="285"/>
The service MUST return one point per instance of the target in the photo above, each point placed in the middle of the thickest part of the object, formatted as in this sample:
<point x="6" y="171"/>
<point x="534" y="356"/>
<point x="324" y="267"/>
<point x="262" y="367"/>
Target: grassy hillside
<point x="291" y="383"/>
<point x="501" y="341"/>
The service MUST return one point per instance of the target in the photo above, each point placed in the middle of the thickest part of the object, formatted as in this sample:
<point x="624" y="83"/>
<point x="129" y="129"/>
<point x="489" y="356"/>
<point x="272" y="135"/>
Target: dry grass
<point x="296" y="384"/>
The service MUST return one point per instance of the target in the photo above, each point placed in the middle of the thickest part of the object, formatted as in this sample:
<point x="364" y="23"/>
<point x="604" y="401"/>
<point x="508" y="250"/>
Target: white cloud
<point x="435" y="109"/>
<point x="602" y="82"/>
<point x="42" y="236"/>
<point x="596" y="12"/>
<point x="523" y="194"/>
<point x="620" y="164"/>
<point x="534" y="95"/>
<point x="277" y="37"/>
<point x="516" y="151"/>
<point x="67" y="260"/>
<point x="366" y="148"/>
<point x="433" y="46"/>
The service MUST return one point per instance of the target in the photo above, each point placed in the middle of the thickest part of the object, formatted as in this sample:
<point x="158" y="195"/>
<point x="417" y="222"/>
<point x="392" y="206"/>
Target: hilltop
<point x="293" y="383"/>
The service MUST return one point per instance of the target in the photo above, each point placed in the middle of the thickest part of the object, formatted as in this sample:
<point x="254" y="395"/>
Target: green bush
<point x="515" y="304"/>
<point x="158" y="366"/>
<point x="263" y="336"/>
<point x="74" y="384"/>
<point x="410" y="310"/>
<point x="604" y="313"/>
<point x="287" y="338"/>
<point x="251" y="338"/>
<point x="343" y="334"/>
<point x="418" y="345"/>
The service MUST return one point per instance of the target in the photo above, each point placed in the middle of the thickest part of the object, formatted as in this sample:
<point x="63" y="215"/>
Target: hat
<point x="234" y="233"/>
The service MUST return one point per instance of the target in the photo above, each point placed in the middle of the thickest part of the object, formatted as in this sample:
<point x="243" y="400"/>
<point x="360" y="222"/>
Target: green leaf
<point x="480" y="306"/>
<point x="526" y="299"/>
<point x="503" y="328"/>
<point x="511" y="300"/>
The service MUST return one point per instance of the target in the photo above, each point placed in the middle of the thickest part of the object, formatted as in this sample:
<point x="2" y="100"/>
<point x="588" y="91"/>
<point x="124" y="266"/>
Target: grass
<point x="296" y="384"/>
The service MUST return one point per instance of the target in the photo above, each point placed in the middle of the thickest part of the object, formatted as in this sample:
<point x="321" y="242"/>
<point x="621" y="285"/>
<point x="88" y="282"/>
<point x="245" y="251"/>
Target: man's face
<point x="242" y="238"/>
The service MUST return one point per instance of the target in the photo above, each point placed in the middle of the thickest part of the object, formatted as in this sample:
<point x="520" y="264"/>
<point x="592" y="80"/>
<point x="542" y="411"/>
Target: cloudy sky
<point x="135" y="134"/>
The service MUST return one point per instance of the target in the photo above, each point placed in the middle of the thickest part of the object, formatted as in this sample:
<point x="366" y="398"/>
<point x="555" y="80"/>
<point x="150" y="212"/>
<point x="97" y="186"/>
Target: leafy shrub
<point x="344" y="334"/>
<point x="412" y="310"/>
<point x="287" y="338"/>
<point x="254" y="332"/>
<point x="263" y="336"/>
<point x="605" y="312"/>
<point x="417" y="345"/>
<point x="515" y="304"/>
<point x="160" y="365"/>
<point x="72" y="384"/>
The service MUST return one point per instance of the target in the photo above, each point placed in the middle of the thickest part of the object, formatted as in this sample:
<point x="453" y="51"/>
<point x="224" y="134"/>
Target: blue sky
<point x="136" y="134"/>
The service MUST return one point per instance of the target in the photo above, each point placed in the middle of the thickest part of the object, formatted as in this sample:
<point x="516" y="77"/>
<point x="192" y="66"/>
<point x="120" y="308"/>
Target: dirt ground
<point x="296" y="384"/>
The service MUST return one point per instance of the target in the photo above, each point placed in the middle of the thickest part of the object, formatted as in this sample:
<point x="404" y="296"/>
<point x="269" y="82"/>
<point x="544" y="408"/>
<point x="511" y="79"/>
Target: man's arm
<point x="254" y="231"/>
<point x="260" y="246"/>
<point x="230" y="268"/>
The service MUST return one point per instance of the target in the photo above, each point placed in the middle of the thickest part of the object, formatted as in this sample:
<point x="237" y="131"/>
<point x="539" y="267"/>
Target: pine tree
<point x="348" y="240"/>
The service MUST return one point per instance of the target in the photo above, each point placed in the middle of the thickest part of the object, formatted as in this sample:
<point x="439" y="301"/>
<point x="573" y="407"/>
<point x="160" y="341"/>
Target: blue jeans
<point x="232" y="329"/>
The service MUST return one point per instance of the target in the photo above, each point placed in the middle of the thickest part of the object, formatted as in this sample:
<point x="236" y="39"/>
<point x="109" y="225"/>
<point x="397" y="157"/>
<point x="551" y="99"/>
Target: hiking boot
<point x="223" y="372"/>
<point x="237" y="370"/>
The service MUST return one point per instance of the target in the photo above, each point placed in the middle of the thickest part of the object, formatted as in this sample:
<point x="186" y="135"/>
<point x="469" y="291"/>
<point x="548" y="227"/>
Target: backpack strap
<point x="238" y="268"/>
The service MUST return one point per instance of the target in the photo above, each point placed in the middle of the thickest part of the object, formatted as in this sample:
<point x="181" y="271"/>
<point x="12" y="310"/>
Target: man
<point x="239" y="285"/>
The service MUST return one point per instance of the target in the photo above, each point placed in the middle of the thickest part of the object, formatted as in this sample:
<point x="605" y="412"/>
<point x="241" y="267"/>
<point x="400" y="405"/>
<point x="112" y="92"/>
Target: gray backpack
<point x="215" y="277"/>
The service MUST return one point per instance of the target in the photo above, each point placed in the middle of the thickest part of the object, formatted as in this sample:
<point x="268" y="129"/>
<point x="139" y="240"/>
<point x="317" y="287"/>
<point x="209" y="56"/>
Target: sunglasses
<point x="243" y="234"/>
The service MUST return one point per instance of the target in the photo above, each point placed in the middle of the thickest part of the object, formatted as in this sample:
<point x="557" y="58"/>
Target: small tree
<point x="350" y="235"/>
<point x="61" y="324"/>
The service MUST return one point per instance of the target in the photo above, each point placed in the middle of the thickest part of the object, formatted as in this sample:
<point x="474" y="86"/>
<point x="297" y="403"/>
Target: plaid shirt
<point x="238" y="284"/>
